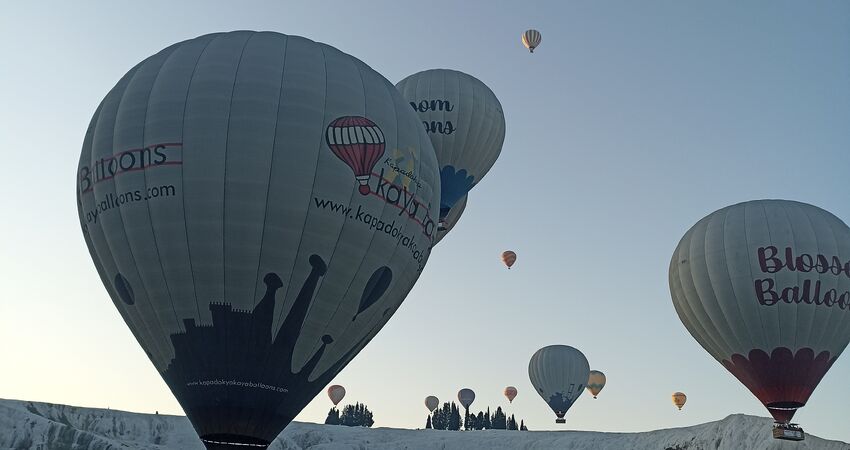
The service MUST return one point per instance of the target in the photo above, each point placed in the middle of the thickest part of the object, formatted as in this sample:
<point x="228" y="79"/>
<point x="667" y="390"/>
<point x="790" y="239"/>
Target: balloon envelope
<point x="531" y="39"/>
<point x="220" y="193"/>
<point x="451" y="219"/>
<point x="336" y="393"/>
<point x="466" y="124"/>
<point x="510" y="393"/>
<point x="764" y="287"/>
<point x="559" y="374"/>
<point x="508" y="258"/>
<point x="431" y="403"/>
<point x="595" y="382"/>
<point x="466" y="396"/>
<point x="679" y="399"/>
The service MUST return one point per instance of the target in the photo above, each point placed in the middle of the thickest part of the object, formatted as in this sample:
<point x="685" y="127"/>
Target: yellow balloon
<point x="679" y="399"/>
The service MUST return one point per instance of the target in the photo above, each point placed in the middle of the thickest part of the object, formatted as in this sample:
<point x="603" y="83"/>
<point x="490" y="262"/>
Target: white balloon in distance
<point x="466" y="124"/>
<point x="764" y="287"/>
<point x="237" y="195"/>
<point x="451" y="220"/>
<point x="559" y="374"/>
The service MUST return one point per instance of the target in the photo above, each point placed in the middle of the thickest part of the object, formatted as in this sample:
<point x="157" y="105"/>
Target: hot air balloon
<point x="559" y="374"/>
<point x="336" y="393"/>
<point x="509" y="258"/>
<point x="510" y="393"/>
<point x="595" y="382"/>
<point x="431" y="403"/>
<point x="763" y="286"/>
<point x="465" y="122"/>
<point x="466" y="396"/>
<point x="679" y="399"/>
<point x="451" y="219"/>
<point x="231" y="236"/>
<point x="531" y="39"/>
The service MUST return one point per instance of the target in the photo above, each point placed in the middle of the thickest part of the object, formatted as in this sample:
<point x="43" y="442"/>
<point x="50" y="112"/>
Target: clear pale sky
<point x="631" y="122"/>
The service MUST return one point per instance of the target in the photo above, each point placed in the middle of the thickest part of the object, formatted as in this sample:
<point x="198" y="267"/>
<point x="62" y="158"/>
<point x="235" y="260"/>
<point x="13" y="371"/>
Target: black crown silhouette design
<point x="236" y="381"/>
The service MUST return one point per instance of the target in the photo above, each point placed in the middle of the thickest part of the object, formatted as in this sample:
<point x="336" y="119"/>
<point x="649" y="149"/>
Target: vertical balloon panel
<point x="251" y="255"/>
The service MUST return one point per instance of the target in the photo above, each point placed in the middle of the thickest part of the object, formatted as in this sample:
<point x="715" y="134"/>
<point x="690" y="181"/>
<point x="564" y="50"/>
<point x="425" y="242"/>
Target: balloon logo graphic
<point x="358" y="142"/>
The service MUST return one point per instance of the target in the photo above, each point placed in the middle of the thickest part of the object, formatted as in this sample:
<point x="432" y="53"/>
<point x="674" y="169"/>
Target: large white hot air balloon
<point x="559" y="374"/>
<point x="238" y="197"/>
<point x="465" y="122"/>
<point x="764" y="287"/>
<point x="451" y="219"/>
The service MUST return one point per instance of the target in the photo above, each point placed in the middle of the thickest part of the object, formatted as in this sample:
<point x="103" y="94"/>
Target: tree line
<point x="449" y="417"/>
<point x="357" y="415"/>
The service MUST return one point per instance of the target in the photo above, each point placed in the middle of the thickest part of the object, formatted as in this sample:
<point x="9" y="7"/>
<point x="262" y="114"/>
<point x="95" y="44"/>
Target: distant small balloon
<point x="596" y="382"/>
<point x="531" y="39"/>
<point x="509" y="258"/>
<point x="510" y="393"/>
<point x="466" y="396"/>
<point x="431" y="403"/>
<point x="679" y="399"/>
<point x="336" y="393"/>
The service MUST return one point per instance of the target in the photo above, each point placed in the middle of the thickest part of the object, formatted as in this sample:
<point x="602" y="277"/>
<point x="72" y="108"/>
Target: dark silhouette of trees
<point x="448" y="417"/>
<point x="333" y="417"/>
<point x="357" y="415"/>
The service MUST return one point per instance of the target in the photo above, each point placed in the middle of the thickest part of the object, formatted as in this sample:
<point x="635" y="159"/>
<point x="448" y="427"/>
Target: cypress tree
<point x="333" y="417"/>
<point x="499" y="421"/>
<point x="522" y="426"/>
<point x="512" y="423"/>
<point x="428" y="423"/>
<point x="454" y="418"/>
<point x="487" y="424"/>
<point x="479" y="421"/>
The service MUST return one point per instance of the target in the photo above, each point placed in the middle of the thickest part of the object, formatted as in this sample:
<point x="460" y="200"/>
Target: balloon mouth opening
<point x="785" y="405"/>
<point x="233" y="441"/>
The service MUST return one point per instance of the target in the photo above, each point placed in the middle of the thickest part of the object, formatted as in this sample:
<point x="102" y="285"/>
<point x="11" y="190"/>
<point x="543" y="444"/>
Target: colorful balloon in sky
<point x="336" y="393"/>
<point x="431" y="403"/>
<point x="679" y="399"/>
<point x="508" y="258"/>
<point x="465" y="122"/>
<point x="595" y="382"/>
<point x="219" y="193"/>
<point x="764" y="287"/>
<point x="510" y="393"/>
<point x="466" y="396"/>
<point x="559" y="374"/>
<point x="531" y="39"/>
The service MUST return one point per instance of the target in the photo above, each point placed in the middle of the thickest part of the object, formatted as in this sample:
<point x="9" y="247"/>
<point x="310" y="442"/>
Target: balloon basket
<point x="788" y="432"/>
<point x="560" y="420"/>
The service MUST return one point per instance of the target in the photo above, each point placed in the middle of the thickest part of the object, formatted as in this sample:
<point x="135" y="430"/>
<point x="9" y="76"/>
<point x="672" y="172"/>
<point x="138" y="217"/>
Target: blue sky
<point x="631" y="122"/>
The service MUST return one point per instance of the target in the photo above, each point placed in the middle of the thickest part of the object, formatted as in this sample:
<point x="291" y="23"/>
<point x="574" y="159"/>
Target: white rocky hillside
<point x="43" y="426"/>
